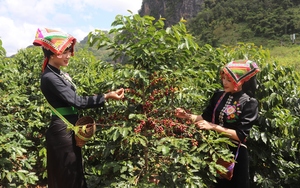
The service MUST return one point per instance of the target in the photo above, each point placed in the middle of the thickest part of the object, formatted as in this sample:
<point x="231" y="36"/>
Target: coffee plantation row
<point x="140" y="142"/>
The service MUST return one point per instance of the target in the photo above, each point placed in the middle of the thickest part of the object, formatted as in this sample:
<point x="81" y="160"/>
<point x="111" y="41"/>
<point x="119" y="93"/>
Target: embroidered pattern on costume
<point x="221" y="122"/>
<point x="232" y="112"/>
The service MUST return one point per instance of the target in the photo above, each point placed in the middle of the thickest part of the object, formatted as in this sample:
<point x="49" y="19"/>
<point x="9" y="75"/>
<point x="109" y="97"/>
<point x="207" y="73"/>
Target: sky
<point x="20" y="19"/>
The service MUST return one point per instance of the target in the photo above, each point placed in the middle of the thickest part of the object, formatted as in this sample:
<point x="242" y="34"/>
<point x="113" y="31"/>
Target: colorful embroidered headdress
<point x="240" y="71"/>
<point x="55" y="41"/>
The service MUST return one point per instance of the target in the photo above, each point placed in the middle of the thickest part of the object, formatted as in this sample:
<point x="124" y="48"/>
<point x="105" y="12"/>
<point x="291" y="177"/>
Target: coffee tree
<point x="142" y="143"/>
<point x="166" y="69"/>
<point x="21" y="119"/>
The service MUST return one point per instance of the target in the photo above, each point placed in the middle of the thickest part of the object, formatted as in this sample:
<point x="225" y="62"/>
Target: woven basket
<point x="87" y="128"/>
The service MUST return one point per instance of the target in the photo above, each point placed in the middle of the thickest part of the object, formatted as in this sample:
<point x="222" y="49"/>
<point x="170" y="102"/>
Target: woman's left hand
<point x="202" y="124"/>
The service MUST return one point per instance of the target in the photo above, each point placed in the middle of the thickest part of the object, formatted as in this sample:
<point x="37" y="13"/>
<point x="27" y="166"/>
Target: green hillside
<point x="268" y="23"/>
<point x="287" y="56"/>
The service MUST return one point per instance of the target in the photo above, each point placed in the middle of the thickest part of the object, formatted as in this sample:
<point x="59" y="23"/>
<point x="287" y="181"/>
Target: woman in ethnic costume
<point x="64" y="158"/>
<point x="232" y="111"/>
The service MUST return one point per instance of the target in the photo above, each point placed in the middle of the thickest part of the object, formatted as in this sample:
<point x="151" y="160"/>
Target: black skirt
<point x="64" y="158"/>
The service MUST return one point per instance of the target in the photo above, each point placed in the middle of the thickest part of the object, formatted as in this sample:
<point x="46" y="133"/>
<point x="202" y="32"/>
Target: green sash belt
<point x="66" y="111"/>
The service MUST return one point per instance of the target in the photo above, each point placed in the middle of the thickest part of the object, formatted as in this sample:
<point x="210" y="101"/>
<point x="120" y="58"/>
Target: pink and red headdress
<point x="240" y="71"/>
<point x="54" y="40"/>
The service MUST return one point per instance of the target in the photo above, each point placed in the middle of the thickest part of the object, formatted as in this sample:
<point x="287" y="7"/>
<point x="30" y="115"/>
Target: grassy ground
<point x="287" y="56"/>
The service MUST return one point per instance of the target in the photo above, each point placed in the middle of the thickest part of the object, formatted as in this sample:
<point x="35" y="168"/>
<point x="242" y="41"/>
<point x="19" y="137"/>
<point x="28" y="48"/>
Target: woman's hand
<point x="181" y="113"/>
<point x="117" y="95"/>
<point x="204" y="125"/>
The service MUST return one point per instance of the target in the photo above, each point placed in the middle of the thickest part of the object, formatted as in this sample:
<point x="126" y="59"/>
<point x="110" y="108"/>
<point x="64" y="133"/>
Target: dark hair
<point x="47" y="52"/>
<point x="250" y="86"/>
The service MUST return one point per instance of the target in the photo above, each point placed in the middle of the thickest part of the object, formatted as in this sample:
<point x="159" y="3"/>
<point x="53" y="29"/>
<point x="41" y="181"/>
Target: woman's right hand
<point x="117" y="95"/>
<point x="181" y="113"/>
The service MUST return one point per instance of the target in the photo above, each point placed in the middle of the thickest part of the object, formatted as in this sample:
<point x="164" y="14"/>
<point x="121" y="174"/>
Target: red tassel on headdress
<point x="45" y="64"/>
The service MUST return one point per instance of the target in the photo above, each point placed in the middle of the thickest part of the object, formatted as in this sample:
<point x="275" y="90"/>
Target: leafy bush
<point x="21" y="121"/>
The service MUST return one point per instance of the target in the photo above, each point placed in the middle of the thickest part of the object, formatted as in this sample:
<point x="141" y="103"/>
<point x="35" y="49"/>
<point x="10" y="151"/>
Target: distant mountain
<point x="216" y="22"/>
<point x="172" y="10"/>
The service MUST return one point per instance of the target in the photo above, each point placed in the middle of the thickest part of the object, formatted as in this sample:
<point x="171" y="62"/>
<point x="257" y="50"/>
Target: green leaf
<point x="124" y="131"/>
<point x="8" y="176"/>
<point x="143" y="142"/>
<point x="116" y="135"/>
<point x="202" y="146"/>
<point x="164" y="149"/>
<point x="264" y="137"/>
<point x="123" y="169"/>
<point x="136" y="116"/>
